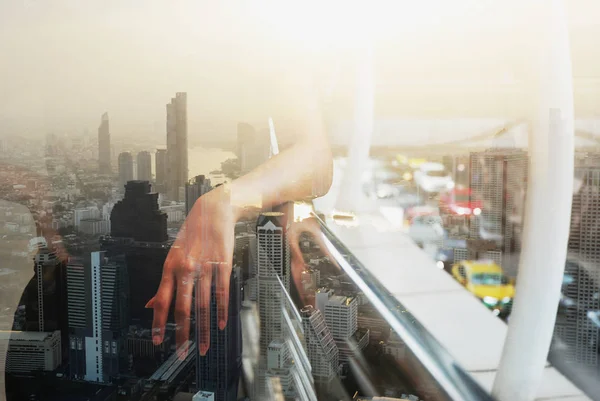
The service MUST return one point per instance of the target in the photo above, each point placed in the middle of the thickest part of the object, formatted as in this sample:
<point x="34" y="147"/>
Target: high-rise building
<point x="194" y="189"/>
<point x="85" y="213"/>
<point x="341" y="314"/>
<point x="253" y="148"/>
<point x="177" y="145"/>
<point x="125" y="168"/>
<point x="245" y="136"/>
<point x="138" y="215"/>
<point x="219" y="370"/>
<point x="320" y="346"/>
<point x="160" y="162"/>
<point x="30" y="351"/>
<point x="139" y="232"/>
<point x="45" y="297"/>
<point x="273" y="265"/>
<point x="104" y="146"/>
<point x="498" y="179"/>
<point x="144" y="166"/>
<point x="582" y="274"/>
<point x="98" y="317"/>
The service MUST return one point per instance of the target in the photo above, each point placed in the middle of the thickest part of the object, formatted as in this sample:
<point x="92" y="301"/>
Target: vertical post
<point x="547" y="217"/>
<point x="351" y="196"/>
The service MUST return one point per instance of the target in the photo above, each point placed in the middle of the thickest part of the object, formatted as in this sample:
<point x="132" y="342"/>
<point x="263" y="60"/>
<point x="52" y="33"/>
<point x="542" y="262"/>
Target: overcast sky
<point x="63" y="63"/>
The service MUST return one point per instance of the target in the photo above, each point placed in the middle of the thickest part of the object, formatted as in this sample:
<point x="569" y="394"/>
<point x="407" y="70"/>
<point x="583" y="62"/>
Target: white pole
<point x="351" y="195"/>
<point x="547" y="217"/>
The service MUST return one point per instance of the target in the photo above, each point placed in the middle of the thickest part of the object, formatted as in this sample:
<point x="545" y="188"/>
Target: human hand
<point x="204" y="247"/>
<point x="309" y="226"/>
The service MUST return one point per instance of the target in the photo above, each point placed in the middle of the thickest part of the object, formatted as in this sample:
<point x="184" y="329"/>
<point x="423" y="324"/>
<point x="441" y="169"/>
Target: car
<point x="460" y="202"/>
<point x="488" y="230"/>
<point x="433" y="178"/>
<point x="427" y="229"/>
<point x="486" y="280"/>
<point x="419" y="210"/>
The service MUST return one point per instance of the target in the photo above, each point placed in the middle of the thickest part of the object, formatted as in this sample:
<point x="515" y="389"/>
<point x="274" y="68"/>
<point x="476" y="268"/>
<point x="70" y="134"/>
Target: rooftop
<point x="25" y="335"/>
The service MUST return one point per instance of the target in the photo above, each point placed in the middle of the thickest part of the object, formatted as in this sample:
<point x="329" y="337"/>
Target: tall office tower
<point x="45" y="297"/>
<point x="273" y="279"/>
<point x="160" y="162"/>
<point x="245" y="256"/>
<point x="195" y="188"/>
<point x="320" y="346"/>
<point x="125" y="169"/>
<point x="273" y="265"/>
<point x="245" y="136"/>
<point x="253" y="147"/>
<point x="104" y="146"/>
<point x="573" y="325"/>
<point x="139" y="231"/>
<point x="144" y="166"/>
<point x="177" y="145"/>
<point x="219" y="370"/>
<point x="499" y="180"/>
<point x="341" y="315"/>
<point x="98" y="317"/>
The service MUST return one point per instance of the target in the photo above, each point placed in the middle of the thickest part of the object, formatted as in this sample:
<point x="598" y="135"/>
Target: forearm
<point x="300" y="172"/>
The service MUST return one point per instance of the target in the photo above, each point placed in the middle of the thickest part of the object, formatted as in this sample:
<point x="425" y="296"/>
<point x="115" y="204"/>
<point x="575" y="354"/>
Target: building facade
<point x="194" y="189"/>
<point x="177" y="145"/>
<point x="581" y="286"/>
<point x="160" y="163"/>
<point x="320" y="346"/>
<point x="219" y="370"/>
<point x="30" y="351"/>
<point x="98" y="302"/>
<point x="104" y="151"/>
<point x="125" y="169"/>
<point x="144" y="166"/>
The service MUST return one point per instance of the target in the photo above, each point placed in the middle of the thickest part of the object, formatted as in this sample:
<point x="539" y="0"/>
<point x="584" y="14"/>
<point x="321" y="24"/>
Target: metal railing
<point x="451" y="381"/>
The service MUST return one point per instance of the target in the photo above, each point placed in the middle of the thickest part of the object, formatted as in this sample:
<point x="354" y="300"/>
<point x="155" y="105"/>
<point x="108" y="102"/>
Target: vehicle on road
<point x="460" y="202"/>
<point x="421" y="210"/>
<point x="433" y="178"/>
<point x="426" y="230"/>
<point x="486" y="280"/>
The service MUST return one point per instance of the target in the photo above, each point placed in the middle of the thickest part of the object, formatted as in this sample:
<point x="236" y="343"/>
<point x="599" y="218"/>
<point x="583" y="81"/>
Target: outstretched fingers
<point x="203" y="295"/>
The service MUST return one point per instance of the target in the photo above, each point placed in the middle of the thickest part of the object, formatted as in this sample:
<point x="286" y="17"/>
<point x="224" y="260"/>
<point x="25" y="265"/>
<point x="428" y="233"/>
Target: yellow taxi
<point x="487" y="281"/>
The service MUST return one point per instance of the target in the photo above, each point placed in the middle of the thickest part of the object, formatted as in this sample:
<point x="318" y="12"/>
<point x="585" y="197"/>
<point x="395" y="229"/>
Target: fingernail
<point x="203" y="349"/>
<point x="149" y="304"/>
<point x="222" y="324"/>
<point x="156" y="339"/>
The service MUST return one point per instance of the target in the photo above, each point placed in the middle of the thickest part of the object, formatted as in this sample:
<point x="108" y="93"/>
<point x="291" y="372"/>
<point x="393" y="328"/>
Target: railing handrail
<point x="451" y="378"/>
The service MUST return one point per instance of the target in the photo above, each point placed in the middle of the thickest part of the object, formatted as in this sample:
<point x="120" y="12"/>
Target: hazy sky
<point x="63" y="63"/>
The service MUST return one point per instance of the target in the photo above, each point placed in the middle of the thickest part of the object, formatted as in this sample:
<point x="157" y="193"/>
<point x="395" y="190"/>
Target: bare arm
<point x="204" y="247"/>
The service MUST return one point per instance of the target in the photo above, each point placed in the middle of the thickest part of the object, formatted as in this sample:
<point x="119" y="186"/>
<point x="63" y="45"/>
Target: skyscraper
<point x="245" y="136"/>
<point x="125" y="168"/>
<point x="98" y="317"/>
<point x="104" y="146"/>
<point x="177" y="145"/>
<point x="582" y="274"/>
<point x="194" y="189"/>
<point x="273" y="279"/>
<point x="160" y="162"/>
<point x="341" y="314"/>
<point x="320" y="347"/>
<point x="499" y="179"/>
<point x="144" y="166"/>
<point x="252" y="147"/>
<point x="45" y="297"/>
<point x="273" y="263"/>
<point x="139" y="232"/>
<point x="219" y="370"/>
